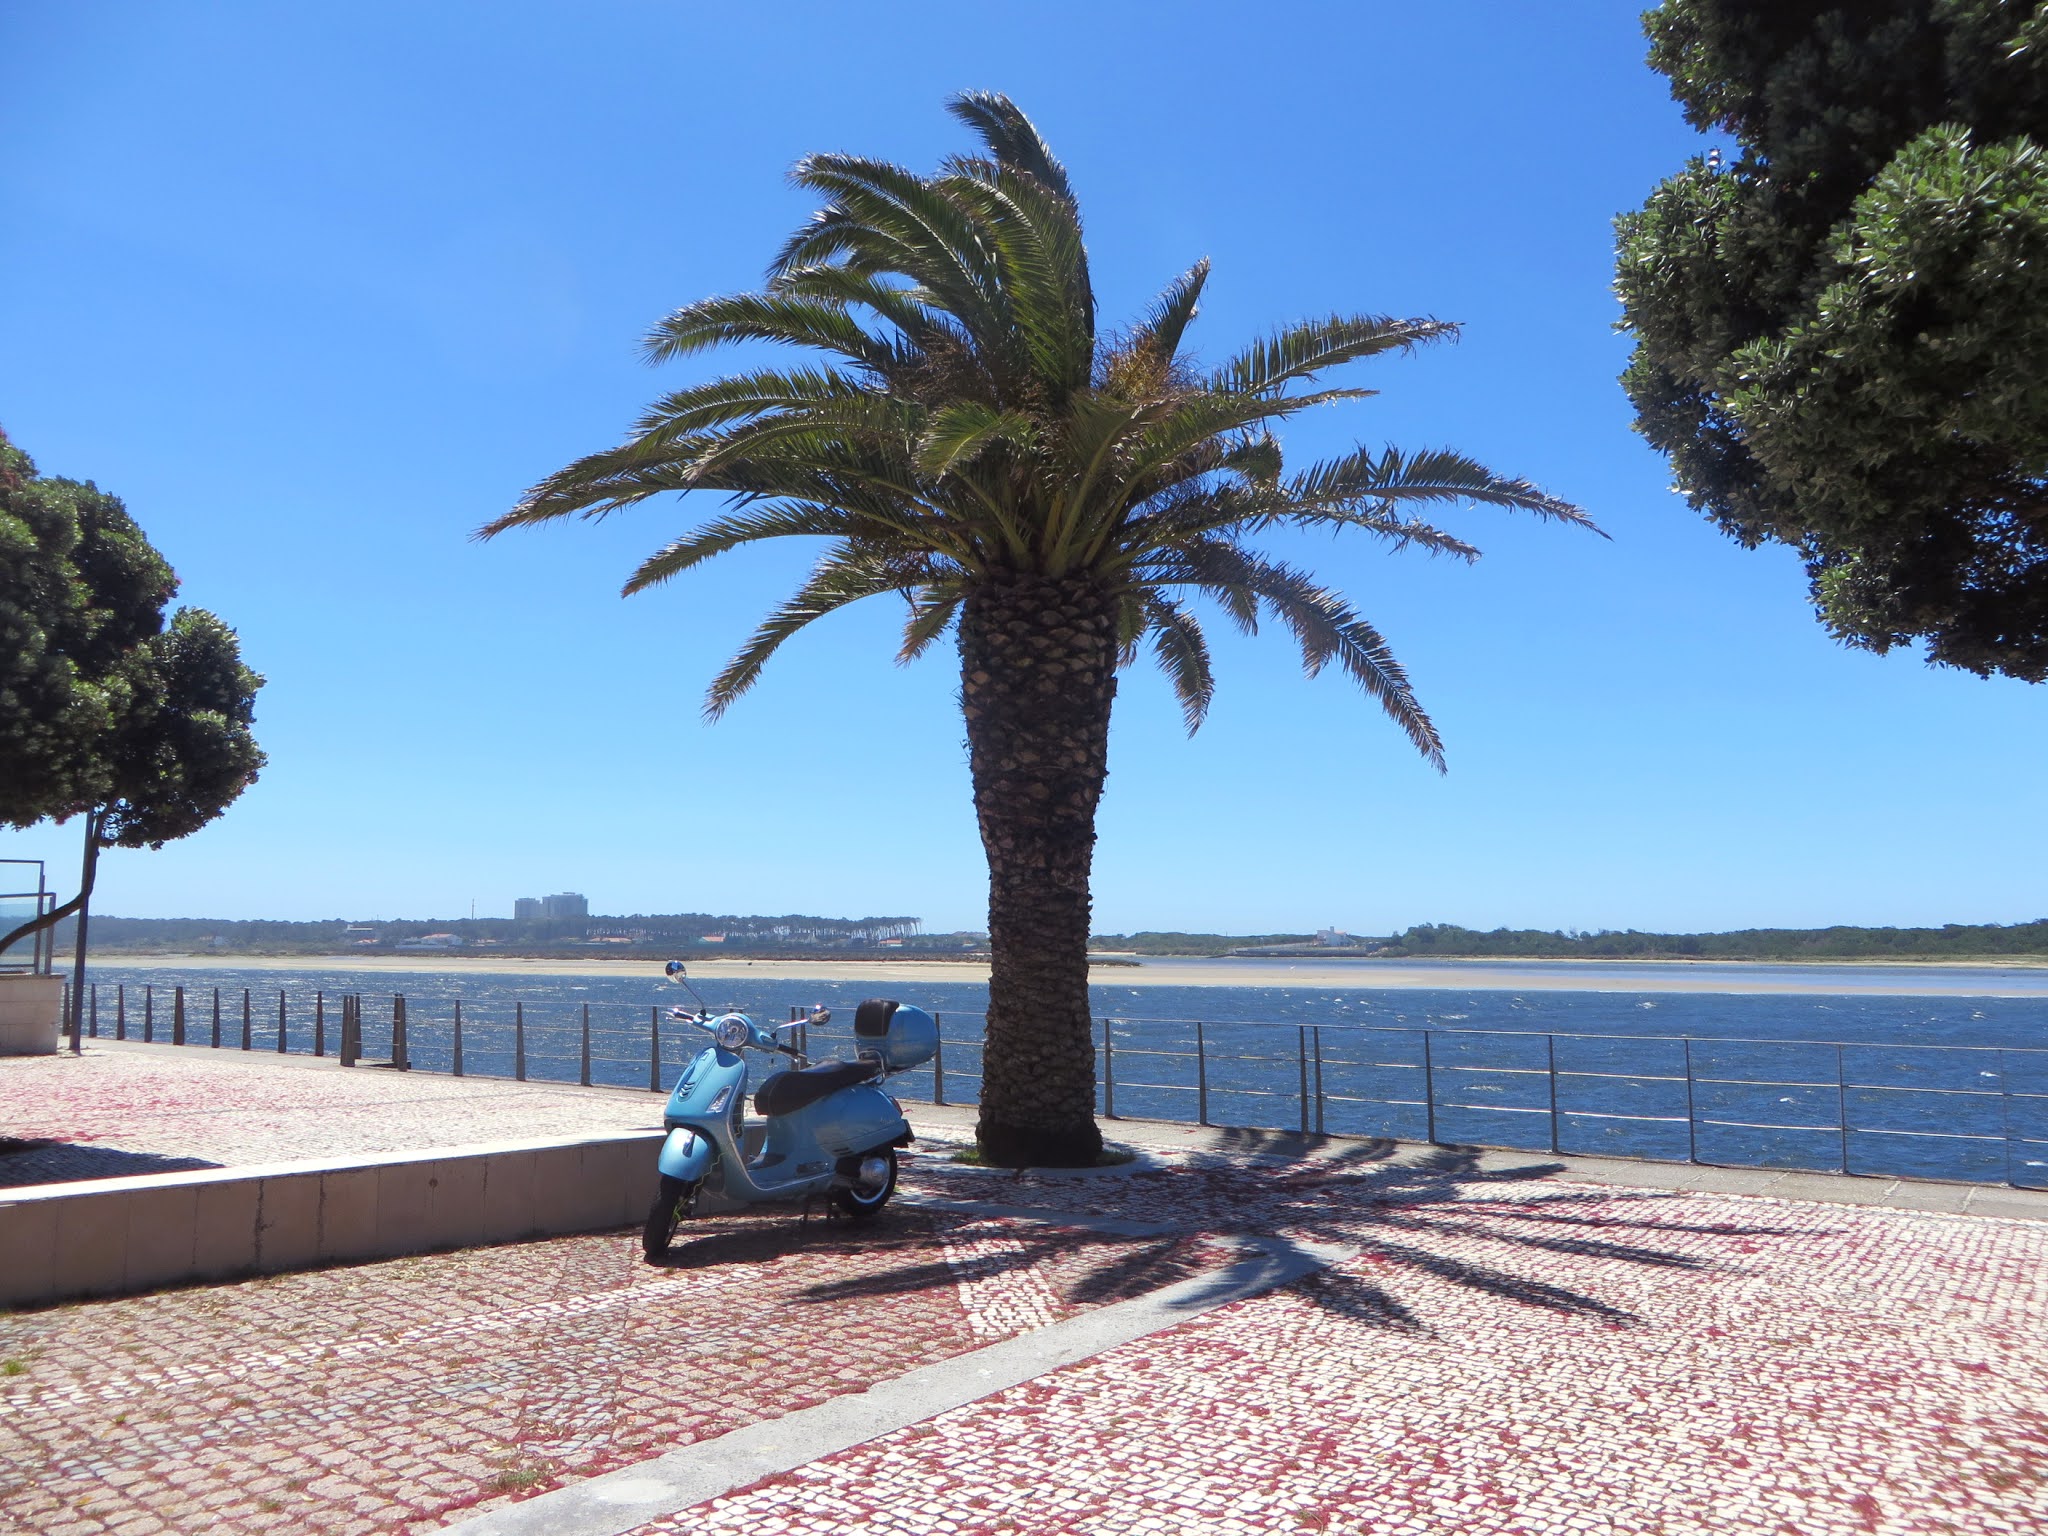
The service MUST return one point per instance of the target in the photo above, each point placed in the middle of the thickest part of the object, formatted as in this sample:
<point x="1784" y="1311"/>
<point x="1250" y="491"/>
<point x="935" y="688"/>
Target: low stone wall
<point x="109" y="1237"/>
<point x="29" y="1010"/>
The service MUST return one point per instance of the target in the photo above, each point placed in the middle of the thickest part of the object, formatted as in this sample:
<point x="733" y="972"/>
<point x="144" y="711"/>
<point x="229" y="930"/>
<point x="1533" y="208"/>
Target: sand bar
<point x="1837" y="978"/>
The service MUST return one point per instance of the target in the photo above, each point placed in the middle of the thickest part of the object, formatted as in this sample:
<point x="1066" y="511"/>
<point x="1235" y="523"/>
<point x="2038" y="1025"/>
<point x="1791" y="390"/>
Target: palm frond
<point x="1434" y="474"/>
<point x="1159" y="336"/>
<point x="1010" y="137"/>
<point x="846" y="575"/>
<point x="774" y="317"/>
<point x="932" y="611"/>
<point x="741" y="397"/>
<point x="1183" y="655"/>
<point x="957" y="432"/>
<point x="1324" y="626"/>
<point x="778" y="520"/>
<point x="1303" y="350"/>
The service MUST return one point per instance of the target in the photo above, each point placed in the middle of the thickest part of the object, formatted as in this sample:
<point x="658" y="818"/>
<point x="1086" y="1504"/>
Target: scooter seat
<point x="787" y="1092"/>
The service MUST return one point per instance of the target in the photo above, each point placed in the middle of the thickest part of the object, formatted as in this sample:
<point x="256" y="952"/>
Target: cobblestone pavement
<point x="116" y="1111"/>
<point x="1505" y="1356"/>
<point x="1502" y="1355"/>
<point x="392" y="1396"/>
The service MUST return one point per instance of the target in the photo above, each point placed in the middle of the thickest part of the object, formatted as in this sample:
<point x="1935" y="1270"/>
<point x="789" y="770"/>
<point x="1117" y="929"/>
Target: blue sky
<point x="319" y="289"/>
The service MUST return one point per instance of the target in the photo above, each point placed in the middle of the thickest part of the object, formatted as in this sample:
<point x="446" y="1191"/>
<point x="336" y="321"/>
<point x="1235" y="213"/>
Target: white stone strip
<point x="631" y="1496"/>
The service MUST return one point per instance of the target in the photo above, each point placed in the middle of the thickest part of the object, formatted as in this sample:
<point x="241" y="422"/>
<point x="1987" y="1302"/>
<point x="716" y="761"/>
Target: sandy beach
<point x="1908" y="979"/>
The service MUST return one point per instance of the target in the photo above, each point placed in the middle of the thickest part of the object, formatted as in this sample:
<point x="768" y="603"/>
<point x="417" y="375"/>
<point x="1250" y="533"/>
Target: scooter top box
<point x="900" y="1035"/>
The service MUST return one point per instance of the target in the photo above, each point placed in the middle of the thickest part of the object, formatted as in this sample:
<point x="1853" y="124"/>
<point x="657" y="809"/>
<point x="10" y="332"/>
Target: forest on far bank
<point x="1952" y="941"/>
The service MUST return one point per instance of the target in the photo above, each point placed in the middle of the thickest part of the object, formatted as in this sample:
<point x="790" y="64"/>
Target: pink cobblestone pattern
<point x="1504" y="1354"/>
<point x="392" y="1396"/>
<point x="1515" y="1359"/>
<point x="113" y="1111"/>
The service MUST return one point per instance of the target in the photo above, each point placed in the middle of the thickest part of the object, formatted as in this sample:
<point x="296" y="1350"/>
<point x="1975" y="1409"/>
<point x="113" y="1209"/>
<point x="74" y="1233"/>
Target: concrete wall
<point x="29" y="1009"/>
<point x="109" y="1237"/>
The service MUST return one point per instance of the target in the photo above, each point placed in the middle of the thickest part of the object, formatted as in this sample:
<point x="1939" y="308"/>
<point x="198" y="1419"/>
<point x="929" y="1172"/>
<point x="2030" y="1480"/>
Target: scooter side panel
<point x="686" y="1154"/>
<point x="851" y="1121"/>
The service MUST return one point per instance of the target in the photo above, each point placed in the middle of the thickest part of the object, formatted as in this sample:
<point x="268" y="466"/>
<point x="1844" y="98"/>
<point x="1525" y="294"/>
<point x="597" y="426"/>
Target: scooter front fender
<point x="686" y="1154"/>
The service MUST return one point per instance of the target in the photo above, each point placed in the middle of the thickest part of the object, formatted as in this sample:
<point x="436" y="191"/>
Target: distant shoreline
<point x="599" y="964"/>
<point x="1878" y="977"/>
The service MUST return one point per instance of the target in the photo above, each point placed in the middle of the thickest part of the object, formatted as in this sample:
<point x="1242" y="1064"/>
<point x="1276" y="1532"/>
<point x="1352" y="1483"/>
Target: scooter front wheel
<point x="671" y="1207"/>
<point x="863" y="1201"/>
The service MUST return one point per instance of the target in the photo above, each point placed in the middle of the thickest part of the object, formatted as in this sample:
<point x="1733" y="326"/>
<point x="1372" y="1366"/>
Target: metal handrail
<point x="572" y="1038"/>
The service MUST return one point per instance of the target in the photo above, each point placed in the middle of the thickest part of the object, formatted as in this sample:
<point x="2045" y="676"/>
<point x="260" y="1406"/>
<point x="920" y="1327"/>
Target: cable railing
<point x="1970" y="1113"/>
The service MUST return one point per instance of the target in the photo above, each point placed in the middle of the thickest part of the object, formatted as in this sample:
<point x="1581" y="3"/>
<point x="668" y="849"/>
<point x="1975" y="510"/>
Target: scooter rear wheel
<point x="862" y="1203"/>
<point x="671" y="1206"/>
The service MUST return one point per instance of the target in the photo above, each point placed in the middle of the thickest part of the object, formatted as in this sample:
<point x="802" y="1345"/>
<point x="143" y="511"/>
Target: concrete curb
<point x="107" y="1237"/>
<point x="618" y="1501"/>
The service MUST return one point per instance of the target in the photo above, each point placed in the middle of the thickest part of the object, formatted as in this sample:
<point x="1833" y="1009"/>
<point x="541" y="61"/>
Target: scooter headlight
<point x="733" y="1033"/>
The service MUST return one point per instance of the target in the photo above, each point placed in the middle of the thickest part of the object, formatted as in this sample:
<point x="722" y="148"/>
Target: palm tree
<point x="969" y="441"/>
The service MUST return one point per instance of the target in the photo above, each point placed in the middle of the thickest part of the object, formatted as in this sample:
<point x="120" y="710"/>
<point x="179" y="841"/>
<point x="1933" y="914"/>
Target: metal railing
<point x="35" y="953"/>
<point x="1977" y="1113"/>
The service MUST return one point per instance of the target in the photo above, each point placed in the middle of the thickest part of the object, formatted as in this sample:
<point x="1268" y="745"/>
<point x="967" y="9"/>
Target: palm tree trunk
<point x="1037" y="677"/>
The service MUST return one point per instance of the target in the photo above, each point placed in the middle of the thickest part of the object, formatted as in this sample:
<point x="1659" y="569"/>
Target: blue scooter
<point x="831" y="1130"/>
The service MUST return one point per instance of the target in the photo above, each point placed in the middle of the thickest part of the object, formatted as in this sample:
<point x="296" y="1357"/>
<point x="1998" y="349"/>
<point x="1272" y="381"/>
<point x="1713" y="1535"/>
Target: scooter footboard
<point x="686" y="1154"/>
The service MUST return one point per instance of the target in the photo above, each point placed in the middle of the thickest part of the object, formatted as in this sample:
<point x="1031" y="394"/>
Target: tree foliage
<point x="1838" y="335"/>
<point x="964" y="420"/>
<point x="81" y="592"/>
<point x="106" y="711"/>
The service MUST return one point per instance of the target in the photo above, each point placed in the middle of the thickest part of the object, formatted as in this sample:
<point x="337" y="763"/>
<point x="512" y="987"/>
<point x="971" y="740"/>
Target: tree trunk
<point x="1037" y="677"/>
<point x="89" y="873"/>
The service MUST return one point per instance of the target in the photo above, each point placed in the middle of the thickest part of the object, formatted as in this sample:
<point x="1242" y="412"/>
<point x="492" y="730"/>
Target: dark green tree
<point x="969" y="442"/>
<point x="106" y="712"/>
<point x="1839" y="334"/>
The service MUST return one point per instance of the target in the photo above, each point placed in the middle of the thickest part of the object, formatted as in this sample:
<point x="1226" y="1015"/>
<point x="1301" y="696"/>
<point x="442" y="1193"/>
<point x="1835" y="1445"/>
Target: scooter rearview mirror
<point x="676" y="971"/>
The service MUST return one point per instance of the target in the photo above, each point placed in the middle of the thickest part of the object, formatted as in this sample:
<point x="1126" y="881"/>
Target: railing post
<point x="1301" y="1062"/>
<point x="148" y="1014"/>
<point x="95" y="1010"/>
<point x="1316" y="1041"/>
<point x="216" y="1018"/>
<point x="457" y="1063"/>
<point x="401" y="1053"/>
<point x="319" y="1023"/>
<point x="654" y="1050"/>
<point x="583" y="1075"/>
<point x="1108" y="1069"/>
<point x="2005" y="1115"/>
<point x="281" y="1047"/>
<point x="178" y="1016"/>
<point x="351" y="1029"/>
<point x="1550" y="1059"/>
<point x="121" y="1010"/>
<point x="939" y="1059"/>
<point x="248" y="1023"/>
<point x="1692" y="1125"/>
<point x="1842" y="1104"/>
<point x="1201" y="1076"/>
<point x="1429" y="1087"/>
<point x="519" y="1042"/>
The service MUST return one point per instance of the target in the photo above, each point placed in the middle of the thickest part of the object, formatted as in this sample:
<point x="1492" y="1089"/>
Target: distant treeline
<point x="683" y="932"/>
<point x="1192" y="943"/>
<point x="1449" y="941"/>
<point x="1951" y="941"/>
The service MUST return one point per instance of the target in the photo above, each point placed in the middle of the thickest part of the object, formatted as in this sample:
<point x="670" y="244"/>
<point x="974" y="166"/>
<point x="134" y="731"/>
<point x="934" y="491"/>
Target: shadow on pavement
<point x="24" y="1164"/>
